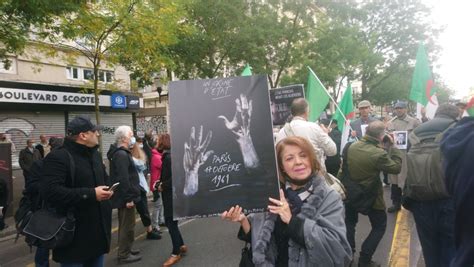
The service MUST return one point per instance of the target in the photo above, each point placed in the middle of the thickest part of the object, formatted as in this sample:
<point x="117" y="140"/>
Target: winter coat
<point x="155" y="168"/>
<point x="457" y="147"/>
<point x="123" y="171"/>
<point x="167" y="185"/>
<point x="366" y="160"/>
<point x="27" y="158"/>
<point x="324" y="231"/>
<point x="93" y="218"/>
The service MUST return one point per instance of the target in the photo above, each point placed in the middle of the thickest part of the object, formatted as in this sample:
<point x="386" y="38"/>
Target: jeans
<point x="95" y="262"/>
<point x="42" y="257"/>
<point x="142" y="208"/>
<point x="378" y="221"/>
<point x="126" y="231"/>
<point x="175" y="235"/>
<point x="435" y="225"/>
<point x="157" y="215"/>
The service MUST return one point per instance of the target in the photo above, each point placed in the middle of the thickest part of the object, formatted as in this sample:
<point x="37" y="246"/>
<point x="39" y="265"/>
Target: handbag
<point x="246" y="259"/>
<point x="48" y="229"/>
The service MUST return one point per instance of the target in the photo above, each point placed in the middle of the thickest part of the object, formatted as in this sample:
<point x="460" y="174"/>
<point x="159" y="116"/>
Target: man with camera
<point x="366" y="158"/>
<point x="402" y="122"/>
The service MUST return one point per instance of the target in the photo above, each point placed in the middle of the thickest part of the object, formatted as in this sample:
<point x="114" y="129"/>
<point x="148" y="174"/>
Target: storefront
<point x="30" y="110"/>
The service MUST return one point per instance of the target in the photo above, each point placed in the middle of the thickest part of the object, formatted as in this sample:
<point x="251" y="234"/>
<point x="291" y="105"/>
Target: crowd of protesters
<point x="309" y="225"/>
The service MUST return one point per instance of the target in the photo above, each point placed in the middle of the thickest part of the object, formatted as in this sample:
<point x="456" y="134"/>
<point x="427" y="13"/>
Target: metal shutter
<point x="110" y="121"/>
<point x="21" y="126"/>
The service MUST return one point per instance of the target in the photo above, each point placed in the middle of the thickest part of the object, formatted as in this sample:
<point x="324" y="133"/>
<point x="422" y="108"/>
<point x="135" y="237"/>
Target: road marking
<point x="400" y="250"/>
<point x="136" y="238"/>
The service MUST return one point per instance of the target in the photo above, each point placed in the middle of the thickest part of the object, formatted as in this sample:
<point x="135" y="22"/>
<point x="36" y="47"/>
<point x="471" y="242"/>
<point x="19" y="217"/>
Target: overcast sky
<point x="457" y="57"/>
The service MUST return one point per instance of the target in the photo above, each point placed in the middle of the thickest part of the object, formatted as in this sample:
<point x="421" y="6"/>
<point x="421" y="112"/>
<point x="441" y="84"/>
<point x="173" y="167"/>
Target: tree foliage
<point x="20" y="19"/>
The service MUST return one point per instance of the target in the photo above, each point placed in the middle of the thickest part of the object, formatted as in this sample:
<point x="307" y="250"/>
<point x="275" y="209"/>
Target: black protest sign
<point x="280" y="102"/>
<point x="222" y="147"/>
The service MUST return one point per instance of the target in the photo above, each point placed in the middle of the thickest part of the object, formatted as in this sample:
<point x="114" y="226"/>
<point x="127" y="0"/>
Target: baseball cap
<point x="81" y="124"/>
<point x="400" y="104"/>
<point x="364" y="104"/>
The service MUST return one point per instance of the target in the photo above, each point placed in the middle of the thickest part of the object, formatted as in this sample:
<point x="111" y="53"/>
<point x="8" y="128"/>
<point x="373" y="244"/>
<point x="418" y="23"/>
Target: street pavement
<point x="211" y="242"/>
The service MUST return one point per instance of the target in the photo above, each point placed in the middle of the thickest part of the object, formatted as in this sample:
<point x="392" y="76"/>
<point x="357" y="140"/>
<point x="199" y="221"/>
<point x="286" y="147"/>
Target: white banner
<point x="11" y="95"/>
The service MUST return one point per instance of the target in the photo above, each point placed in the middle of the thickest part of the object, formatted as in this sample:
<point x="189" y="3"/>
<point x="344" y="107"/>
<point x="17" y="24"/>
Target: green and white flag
<point x="316" y="95"/>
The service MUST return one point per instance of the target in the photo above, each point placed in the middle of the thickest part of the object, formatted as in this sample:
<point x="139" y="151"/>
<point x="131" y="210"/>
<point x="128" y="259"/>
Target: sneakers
<point x="394" y="208"/>
<point x="173" y="259"/>
<point x="153" y="235"/>
<point x="134" y="251"/>
<point x="131" y="258"/>
<point x="369" y="264"/>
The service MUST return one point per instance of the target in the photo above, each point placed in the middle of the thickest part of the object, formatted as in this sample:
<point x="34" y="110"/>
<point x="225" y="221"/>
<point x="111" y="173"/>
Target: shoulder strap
<point x="288" y="130"/>
<point x="73" y="167"/>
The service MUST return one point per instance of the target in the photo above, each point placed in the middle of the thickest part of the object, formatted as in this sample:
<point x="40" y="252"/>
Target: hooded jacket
<point x="123" y="171"/>
<point x="457" y="147"/>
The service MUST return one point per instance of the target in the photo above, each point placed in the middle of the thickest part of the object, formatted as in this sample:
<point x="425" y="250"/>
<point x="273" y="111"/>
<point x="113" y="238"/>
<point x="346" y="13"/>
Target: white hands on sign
<point x="240" y="127"/>
<point x="194" y="156"/>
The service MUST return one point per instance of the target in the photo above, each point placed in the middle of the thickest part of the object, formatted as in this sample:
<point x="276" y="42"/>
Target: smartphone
<point x="113" y="187"/>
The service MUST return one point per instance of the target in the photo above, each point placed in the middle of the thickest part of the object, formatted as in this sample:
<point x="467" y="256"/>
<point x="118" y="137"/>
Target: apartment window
<point x="109" y="76"/>
<point x="72" y="73"/>
<point x="101" y="76"/>
<point x="88" y="74"/>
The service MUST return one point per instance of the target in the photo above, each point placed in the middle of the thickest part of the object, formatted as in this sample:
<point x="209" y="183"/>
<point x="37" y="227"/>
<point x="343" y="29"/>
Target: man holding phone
<point x="122" y="170"/>
<point x="87" y="194"/>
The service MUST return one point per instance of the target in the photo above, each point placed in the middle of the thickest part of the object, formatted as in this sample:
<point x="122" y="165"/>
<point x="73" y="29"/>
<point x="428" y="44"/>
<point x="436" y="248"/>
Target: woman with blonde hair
<point x="139" y="159"/>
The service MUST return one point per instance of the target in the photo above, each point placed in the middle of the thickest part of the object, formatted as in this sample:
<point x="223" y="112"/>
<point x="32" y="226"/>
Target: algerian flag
<point x="316" y="95"/>
<point x="346" y="106"/>
<point x="470" y="107"/>
<point x="422" y="85"/>
<point x="247" y="71"/>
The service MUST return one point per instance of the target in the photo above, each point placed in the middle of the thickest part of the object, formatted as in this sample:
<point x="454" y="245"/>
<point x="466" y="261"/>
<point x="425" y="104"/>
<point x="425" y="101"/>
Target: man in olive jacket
<point x="87" y="195"/>
<point x="366" y="158"/>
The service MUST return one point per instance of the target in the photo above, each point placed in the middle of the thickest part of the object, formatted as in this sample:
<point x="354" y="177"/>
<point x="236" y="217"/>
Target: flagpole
<point x="325" y="90"/>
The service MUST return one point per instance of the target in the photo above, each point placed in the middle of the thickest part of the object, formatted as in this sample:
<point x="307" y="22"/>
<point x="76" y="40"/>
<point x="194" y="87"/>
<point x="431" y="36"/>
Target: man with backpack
<point x="425" y="194"/>
<point x="73" y="179"/>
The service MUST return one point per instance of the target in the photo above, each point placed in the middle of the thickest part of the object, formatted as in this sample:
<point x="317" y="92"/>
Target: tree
<point x="21" y="18"/>
<point x="212" y="40"/>
<point x="110" y="32"/>
<point x="392" y="30"/>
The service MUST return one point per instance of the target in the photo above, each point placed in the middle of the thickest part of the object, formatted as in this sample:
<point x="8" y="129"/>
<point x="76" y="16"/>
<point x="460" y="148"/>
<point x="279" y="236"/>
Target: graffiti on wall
<point x="16" y="131"/>
<point x="158" y="125"/>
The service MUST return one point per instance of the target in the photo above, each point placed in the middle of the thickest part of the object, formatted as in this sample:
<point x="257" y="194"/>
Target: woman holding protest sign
<point x="305" y="227"/>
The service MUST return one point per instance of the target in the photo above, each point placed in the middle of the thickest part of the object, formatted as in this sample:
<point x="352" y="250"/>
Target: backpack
<point x="425" y="176"/>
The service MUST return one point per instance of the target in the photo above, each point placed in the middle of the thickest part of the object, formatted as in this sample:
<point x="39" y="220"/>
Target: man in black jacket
<point x="122" y="170"/>
<point x="85" y="194"/>
<point x="28" y="155"/>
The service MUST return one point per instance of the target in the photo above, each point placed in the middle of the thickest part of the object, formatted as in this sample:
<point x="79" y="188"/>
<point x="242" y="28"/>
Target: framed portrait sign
<point x="400" y="139"/>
